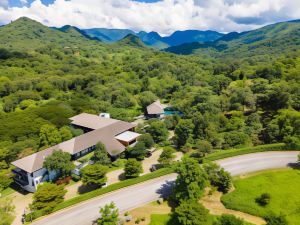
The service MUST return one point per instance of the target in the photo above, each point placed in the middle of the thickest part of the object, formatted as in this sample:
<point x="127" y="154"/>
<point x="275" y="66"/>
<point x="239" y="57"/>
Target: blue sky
<point x="163" y="16"/>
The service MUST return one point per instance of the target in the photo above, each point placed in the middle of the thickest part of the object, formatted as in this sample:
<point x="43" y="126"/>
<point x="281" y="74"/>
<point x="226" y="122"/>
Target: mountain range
<point x="269" y="41"/>
<point x="274" y="39"/>
<point x="153" y="38"/>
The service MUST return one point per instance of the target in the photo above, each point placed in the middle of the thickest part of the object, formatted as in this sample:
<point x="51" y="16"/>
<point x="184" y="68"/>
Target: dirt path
<point x="215" y="206"/>
<point x="21" y="202"/>
<point x="146" y="211"/>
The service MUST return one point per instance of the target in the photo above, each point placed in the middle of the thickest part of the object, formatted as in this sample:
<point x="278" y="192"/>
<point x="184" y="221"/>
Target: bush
<point x="227" y="219"/>
<point x="133" y="168"/>
<point x="147" y="140"/>
<point x="218" y="177"/>
<point x="273" y="219"/>
<point x="264" y="199"/>
<point x="242" y="151"/>
<point x="75" y="177"/>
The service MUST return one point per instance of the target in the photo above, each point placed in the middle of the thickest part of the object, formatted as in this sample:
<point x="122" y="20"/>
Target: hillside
<point x="108" y="35"/>
<point x="25" y="33"/>
<point x="274" y="39"/>
<point x="132" y="41"/>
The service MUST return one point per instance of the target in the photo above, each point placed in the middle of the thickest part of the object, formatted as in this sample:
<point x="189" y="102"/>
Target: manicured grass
<point x="7" y="191"/>
<point x="221" y="154"/>
<point x="283" y="186"/>
<point x="160" y="219"/>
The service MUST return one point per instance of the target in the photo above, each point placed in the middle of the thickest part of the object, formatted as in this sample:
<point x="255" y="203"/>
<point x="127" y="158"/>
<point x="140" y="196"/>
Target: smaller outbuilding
<point x="155" y="110"/>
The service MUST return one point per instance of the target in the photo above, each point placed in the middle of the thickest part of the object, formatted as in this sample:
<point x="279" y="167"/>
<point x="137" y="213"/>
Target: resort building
<point x="155" y="110"/>
<point x="116" y="135"/>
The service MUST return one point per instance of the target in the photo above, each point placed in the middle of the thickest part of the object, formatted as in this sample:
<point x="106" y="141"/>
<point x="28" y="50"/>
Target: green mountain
<point x="108" y="35"/>
<point x="274" y="39"/>
<point x="25" y="33"/>
<point x="132" y="41"/>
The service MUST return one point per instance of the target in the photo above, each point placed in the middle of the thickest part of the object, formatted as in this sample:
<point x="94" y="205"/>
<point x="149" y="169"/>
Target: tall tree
<point x="100" y="155"/>
<point x="60" y="162"/>
<point x="49" y="136"/>
<point x="190" y="182"/>
<point x="158" y="131"/>
<point x="167" y="156"/>
<point x="184" y="131"/>
<point x="109" y="215"/>
<point x="47" y="197"/>
<point x="191" y="213"/>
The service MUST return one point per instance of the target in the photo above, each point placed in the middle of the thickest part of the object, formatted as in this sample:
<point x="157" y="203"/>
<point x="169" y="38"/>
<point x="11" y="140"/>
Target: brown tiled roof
<point x="105" y="134"/>
<point x="155" y="108"/>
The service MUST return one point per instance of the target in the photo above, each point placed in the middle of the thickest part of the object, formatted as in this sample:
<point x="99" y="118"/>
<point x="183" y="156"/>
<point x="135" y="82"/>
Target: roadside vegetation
<point x="273" y="195"/>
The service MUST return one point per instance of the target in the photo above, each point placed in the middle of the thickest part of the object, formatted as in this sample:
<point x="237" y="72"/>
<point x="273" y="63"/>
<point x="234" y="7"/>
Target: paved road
<point x="258" y="161"/>
<point x="141" y="194"/>
<point x="125" y="199"/>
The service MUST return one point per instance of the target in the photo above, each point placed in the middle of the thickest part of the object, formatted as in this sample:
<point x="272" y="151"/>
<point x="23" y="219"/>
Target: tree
<point x="190" y="182"/>
<point x="94" y="174"/>
<point x="60" y="162"/>
<point x="147" y="139"/>
<point x="146" y="98"/>
<point x="273" y="219"/>
<point x="109" y="215"/>
<point x="191" y="213"/>
<point x="167" y="156"/>
<point x="227" y="219"/>
<point x="138" y="151"/>
<point x="184" y="131"/>
<point x="49" y="136"/>
<point x="47" y="197"/>
<point x="5" y="181"/>
<point x="100" y="155"/>
<point x="6" y="211"/>
<point x="133" y="168"/>
<point x="203" y="146"/>
<point x="218" y="177"/>
<point x="158" y="131"/>
<point x="65" y="133"/>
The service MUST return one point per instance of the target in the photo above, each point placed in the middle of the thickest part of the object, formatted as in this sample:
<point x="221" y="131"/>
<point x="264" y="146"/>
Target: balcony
<point x="20" y="177"/>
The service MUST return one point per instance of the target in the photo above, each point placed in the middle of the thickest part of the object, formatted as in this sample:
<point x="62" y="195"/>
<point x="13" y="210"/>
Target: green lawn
<point x="283" y="186"/>
<point x="7" y="191"/>
<point x="160" y="219"/>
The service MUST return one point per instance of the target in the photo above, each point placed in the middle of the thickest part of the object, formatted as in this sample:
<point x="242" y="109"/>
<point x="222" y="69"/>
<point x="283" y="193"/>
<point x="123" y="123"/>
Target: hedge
<point x="221" y="154"/>
<point x="105" y="190"/>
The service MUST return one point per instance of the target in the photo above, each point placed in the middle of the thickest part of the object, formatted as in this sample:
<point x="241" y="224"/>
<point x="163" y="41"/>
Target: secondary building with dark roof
<point x="116" y="135"/>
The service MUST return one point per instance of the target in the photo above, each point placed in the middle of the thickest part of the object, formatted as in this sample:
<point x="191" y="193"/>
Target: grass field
<point x="283" y="187"/>
<point x="160" y="219"/>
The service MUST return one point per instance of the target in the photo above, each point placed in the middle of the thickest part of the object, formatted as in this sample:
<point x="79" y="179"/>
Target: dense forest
<point x="230" y="101"/>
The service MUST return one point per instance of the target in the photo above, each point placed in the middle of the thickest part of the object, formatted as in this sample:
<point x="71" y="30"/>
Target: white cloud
<point x="164" y="16"/>
<point x="23" y="2"/>
<point x="3" y="3"/>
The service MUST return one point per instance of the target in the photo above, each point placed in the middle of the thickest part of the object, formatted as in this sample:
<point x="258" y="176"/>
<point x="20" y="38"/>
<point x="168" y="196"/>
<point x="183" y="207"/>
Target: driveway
<point x="140" y="194"/>
<point x="239" y="165"/>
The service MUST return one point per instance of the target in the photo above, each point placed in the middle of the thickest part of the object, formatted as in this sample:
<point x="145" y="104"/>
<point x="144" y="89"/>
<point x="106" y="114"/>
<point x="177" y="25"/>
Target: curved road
<point x="141" y="194"/>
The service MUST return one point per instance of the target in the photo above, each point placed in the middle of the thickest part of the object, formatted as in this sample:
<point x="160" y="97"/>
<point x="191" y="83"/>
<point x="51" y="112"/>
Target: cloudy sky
<point x="163" y="16"/>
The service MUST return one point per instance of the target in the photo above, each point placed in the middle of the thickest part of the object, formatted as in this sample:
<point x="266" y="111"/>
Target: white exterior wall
<point x="34" y="179"/>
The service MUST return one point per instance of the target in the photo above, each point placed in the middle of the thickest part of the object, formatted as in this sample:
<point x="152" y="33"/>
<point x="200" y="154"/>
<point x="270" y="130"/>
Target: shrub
<point x="264" y="199"/>
<point x="273" y="219"/>
<point x="227" y="219"/>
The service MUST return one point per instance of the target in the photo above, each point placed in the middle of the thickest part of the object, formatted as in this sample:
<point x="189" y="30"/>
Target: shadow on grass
<point x="122" y="176"/>
<point x="294" y="165"/>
